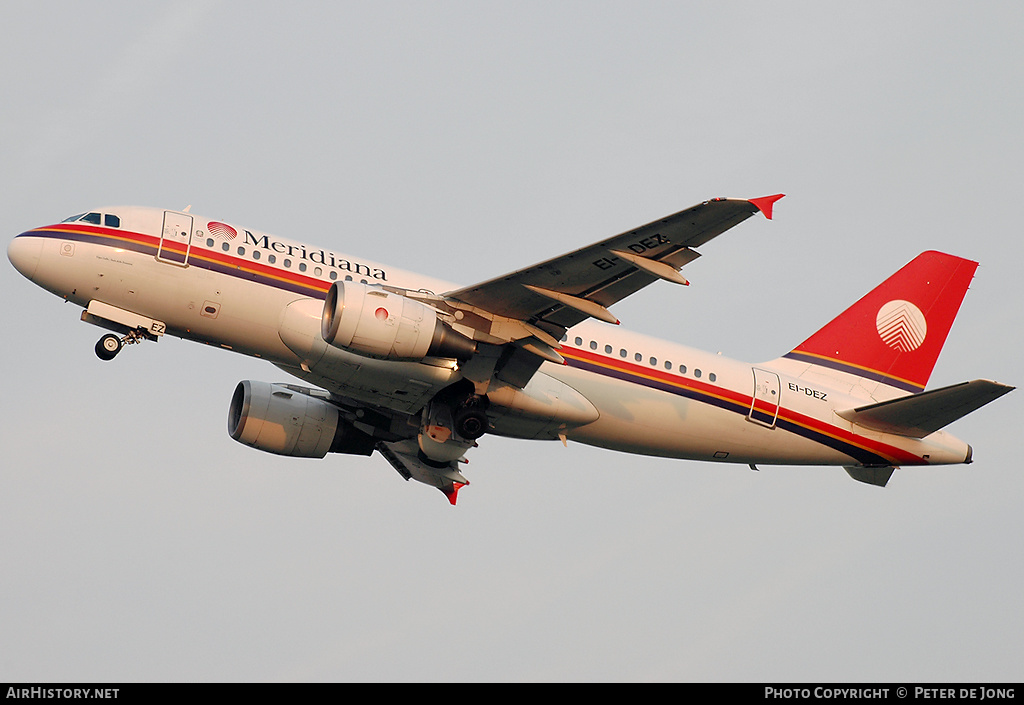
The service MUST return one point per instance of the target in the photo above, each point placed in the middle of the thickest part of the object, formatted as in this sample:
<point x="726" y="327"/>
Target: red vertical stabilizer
<point x="895" y="333"/>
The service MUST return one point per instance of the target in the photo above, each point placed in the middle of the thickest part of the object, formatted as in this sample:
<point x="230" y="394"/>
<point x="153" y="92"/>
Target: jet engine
<point x="288" y="420"/>
<point x="384" y="324"/>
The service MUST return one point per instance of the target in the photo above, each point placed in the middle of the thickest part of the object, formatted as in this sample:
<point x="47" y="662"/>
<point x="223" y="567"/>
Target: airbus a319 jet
<point x="421" y="370"/>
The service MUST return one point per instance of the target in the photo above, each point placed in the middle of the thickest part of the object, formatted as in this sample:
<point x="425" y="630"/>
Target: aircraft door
<point x="175" y="239"/>
<point x="764" y="406"/>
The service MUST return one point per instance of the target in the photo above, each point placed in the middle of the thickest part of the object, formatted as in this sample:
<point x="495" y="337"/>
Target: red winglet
<point x="452" y="493"/>
<point x="765" y="203"/>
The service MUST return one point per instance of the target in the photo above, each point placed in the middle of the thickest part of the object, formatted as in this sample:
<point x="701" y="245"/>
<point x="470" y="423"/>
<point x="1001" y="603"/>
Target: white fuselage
<point x="259" y="295"/>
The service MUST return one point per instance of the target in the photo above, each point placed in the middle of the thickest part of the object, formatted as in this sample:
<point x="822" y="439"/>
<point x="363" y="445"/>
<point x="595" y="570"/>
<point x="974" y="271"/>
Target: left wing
<point x="406" y="457"/>
<point x="565" y="290"/>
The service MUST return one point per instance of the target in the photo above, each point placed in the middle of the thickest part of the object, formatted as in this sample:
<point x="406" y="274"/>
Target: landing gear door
<point x="764" y="406"/>
<point x="175" y="239"/>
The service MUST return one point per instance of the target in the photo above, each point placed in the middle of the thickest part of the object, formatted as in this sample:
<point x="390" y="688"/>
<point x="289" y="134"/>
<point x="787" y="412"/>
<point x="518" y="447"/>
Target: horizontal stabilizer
<point x="920" y="414"/>
<point x="871" y="475"/>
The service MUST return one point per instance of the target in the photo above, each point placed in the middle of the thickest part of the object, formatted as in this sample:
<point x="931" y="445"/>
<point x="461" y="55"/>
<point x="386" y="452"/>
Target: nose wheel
<point x="110" y="345"/>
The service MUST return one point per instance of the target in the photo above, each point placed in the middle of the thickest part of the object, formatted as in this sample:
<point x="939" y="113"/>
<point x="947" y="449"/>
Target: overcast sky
<point x="138" y="542"/>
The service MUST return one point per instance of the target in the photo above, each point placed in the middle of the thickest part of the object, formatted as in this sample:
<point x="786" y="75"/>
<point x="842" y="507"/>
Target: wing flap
<point x="919" y="415"/>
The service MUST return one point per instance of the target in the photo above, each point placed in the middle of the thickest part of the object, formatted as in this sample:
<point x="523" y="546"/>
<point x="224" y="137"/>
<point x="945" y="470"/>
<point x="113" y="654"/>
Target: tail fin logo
<point x="901" y="325"/>
<point x="913" y="311"/>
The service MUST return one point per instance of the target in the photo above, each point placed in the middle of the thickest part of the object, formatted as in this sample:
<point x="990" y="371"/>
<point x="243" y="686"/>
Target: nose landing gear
<point x="110" y="345"/>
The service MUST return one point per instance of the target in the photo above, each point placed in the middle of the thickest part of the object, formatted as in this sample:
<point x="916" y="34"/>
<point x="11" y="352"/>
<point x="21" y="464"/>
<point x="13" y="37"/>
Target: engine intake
<point x="379" y="323"/>
<point x="287" y="420"/>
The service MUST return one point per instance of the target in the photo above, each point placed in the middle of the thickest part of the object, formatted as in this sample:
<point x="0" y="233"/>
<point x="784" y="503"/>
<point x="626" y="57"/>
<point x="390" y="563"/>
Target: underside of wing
<point x="411" y="464"/>
<point x="582" y="284"/>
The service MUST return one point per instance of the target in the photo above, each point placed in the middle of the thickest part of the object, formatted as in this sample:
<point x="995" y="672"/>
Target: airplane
<point x="420" y="370"/>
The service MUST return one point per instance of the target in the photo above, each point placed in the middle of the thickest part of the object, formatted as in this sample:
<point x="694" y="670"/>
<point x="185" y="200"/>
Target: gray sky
<point x="463" y="140"/>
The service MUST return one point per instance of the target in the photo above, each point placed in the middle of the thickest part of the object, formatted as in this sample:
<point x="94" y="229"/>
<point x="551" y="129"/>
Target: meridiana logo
<point x="222" y="230"/>
<point x="901" y="325"/>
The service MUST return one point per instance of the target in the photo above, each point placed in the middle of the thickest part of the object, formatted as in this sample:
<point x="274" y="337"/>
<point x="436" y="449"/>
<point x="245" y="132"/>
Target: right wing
<point x="565" y="290"/>
<point x="517" y="319"/>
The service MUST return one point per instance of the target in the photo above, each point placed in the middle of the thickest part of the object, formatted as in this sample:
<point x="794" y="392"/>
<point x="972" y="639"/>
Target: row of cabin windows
<point x="652" y="361"/>
<point x="272" y="259"/>
<point x="112" y="221"/>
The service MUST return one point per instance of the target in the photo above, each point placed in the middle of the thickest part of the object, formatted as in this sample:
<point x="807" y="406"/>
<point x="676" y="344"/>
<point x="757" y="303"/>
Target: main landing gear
<point x="110" y="345"/>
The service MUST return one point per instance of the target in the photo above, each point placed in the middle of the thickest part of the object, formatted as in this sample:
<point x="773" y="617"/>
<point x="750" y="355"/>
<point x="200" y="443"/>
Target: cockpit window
<point x="108" y="219"/>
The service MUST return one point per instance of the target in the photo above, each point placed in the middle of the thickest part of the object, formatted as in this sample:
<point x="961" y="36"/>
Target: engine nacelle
<point x="287" y="421"/>
<point x="379" y="323"/>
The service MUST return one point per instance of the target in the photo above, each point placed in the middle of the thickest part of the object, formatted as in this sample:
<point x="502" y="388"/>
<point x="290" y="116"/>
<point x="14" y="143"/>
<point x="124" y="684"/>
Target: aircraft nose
<point x="24" y="254"/>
